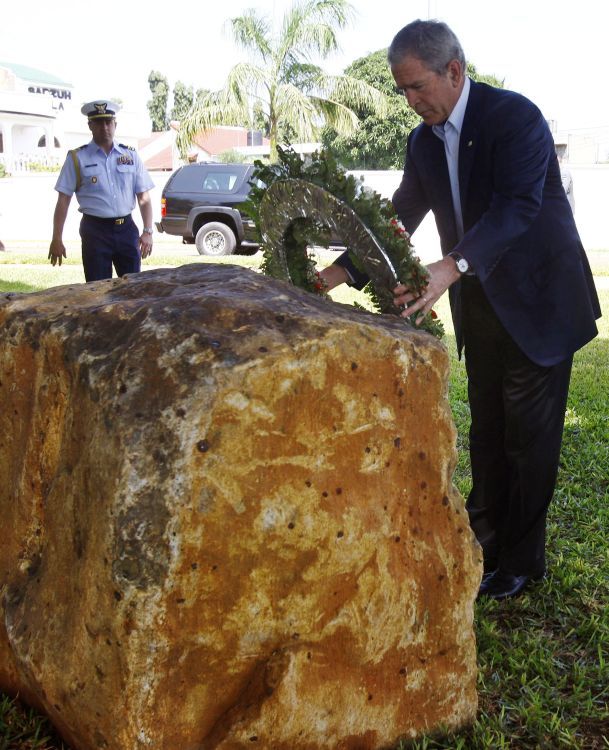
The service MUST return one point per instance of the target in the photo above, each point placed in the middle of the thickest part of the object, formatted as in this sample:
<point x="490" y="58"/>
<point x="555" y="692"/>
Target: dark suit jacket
<point x="520" y="235"/>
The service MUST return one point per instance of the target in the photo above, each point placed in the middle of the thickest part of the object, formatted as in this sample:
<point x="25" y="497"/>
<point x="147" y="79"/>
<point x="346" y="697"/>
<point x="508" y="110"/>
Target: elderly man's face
<point x="432" y="96"/>
<point x="103" y="130"/>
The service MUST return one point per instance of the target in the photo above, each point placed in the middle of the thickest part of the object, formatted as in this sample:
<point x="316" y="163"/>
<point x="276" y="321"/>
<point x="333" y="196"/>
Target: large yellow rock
<point x="228" y="518"/>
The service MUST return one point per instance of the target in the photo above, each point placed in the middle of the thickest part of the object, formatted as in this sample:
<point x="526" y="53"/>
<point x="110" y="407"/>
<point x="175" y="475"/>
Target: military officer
<point x="106" y="177"/>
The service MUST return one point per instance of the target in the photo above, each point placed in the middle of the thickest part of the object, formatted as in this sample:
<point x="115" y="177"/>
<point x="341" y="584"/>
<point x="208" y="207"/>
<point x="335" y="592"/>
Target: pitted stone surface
<point x="228" y="518"/>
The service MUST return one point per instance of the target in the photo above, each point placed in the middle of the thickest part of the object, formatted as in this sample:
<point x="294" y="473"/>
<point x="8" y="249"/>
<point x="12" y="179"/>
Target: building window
<point x="43" y="142"/>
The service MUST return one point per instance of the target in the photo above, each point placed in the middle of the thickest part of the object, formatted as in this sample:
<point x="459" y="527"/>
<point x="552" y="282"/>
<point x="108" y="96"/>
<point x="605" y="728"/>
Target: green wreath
<point x="375" y="213"/>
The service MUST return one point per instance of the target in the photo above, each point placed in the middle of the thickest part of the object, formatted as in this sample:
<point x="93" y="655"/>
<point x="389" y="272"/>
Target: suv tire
<point x="215" y="238"/>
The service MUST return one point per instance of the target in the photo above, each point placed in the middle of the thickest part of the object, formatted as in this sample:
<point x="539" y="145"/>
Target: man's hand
<point x="442" y="274"/>
<point x="143" y="201"/>
<point x="334" y="275"/>
<point x="145" y="244"/>
<point x="57" y="251"/>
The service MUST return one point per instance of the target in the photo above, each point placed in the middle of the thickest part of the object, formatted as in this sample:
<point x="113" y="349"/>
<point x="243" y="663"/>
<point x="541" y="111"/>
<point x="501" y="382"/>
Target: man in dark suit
<point x="521" y="291"/>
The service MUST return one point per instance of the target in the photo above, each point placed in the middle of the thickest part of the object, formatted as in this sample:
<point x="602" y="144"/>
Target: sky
<point x="553" y="51"/>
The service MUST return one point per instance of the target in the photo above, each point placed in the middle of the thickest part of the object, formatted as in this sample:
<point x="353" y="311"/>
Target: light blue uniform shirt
<point x="450" y="133"/>
<point x="109" y="182"/>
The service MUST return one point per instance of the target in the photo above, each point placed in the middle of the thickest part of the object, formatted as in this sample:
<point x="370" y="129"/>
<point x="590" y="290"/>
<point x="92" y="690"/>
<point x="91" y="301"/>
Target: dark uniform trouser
<point x="517" y="412"/>
<point x="107" y="242"/>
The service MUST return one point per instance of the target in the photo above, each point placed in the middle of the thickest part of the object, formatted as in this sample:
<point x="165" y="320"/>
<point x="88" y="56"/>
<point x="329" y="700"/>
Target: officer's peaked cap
<point x="100" y="109"/>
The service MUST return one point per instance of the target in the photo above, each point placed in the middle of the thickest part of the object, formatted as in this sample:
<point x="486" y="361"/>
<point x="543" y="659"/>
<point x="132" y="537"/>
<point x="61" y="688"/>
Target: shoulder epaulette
<point x="83" y="146"/>
<point x="131" y="148"/>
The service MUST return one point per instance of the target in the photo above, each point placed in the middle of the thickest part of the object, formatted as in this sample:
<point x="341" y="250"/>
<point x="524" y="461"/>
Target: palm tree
<point x="295" y="95"/>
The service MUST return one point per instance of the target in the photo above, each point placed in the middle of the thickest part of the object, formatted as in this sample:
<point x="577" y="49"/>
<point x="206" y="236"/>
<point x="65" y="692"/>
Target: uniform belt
<point x="108" y="220"/>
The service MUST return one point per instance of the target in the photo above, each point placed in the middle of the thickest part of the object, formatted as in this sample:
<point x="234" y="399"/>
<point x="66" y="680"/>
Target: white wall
<point x="591" y="190"/>
<point x="27" y="203"/>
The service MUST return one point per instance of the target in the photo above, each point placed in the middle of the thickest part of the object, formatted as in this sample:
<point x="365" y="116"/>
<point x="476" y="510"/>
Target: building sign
<point x="57" y="93"/>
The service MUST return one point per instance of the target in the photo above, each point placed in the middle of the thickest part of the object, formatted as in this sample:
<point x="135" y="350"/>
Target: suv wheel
<point x="215" y="238"/>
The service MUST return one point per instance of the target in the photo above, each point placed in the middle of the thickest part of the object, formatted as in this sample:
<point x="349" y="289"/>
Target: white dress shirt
<point x="450" y="133"/>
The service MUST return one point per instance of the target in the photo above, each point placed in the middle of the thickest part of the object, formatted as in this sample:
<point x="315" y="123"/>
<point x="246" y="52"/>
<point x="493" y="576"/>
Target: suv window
<point x="219" y="181"/>
<point x="197" y="179"/>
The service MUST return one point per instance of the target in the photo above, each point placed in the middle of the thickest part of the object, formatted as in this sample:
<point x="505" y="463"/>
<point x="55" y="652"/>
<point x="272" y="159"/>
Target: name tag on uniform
<point x="125" y="159"/>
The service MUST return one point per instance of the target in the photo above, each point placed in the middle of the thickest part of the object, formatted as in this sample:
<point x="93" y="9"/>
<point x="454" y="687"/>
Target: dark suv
<point x="200" y="202"/>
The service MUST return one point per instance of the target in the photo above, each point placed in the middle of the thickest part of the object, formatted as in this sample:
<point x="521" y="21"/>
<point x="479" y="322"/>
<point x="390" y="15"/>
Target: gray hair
<point x="432" y="42"/>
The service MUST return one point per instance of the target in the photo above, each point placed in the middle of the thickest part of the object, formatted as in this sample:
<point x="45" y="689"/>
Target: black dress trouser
<point x="517" y="417"/>
<point x="108" y="242"/>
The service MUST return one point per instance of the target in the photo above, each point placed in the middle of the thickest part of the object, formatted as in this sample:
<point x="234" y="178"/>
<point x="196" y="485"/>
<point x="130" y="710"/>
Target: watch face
<point x="462" y="265"/>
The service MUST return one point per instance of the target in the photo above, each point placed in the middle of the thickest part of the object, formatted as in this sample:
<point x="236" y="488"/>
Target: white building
<point x="40" y="118"/>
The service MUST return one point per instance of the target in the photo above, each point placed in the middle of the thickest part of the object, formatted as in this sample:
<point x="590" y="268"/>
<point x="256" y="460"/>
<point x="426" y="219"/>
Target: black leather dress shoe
<point x="501" y="585"/>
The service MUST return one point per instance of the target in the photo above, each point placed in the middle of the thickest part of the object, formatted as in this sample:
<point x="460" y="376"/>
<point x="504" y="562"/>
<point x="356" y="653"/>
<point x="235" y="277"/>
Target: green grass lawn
<point x="544" y="657"/>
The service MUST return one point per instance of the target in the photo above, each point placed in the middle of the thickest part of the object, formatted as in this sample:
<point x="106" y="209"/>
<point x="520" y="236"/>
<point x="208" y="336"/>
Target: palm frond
<point x="310" y="27"/>
<point x="336" y="115"/>
<point x="224" y="107"/>
<point x="298" y="110"/>
<point x="351" y="92"/>
<point x="338" y="13"/>
<point x="316" y="38"/>
<point x="252" y="32"/>
<point x="245" y="81"/>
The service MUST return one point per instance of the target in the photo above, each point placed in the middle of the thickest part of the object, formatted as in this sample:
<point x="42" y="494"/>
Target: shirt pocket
<point x="91" y="176"/>
<point x="125" y="176"/>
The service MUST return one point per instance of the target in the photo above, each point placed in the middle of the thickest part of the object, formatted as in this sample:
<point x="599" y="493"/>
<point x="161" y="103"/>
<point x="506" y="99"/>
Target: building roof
<point x="156" y="149"/>
<point x="222" y="138"/>
<point x="163" y="160"/>
<point x="33" y="74"/>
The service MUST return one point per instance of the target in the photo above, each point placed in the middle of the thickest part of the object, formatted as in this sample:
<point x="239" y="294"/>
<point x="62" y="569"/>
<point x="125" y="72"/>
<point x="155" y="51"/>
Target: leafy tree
<point x="157" y="106"/>
<point x="483" y="77"/>
<point x="230" y="156"/>
<point x="380" y="142"/>
<point x="200" y="93"/>
<point x="183" y="98"/>
<point x="294" y="93"/>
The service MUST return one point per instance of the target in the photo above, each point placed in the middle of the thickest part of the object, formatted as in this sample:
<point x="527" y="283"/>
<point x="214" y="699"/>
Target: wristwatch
<point x="147" y="230"/>
<point x="461" y="262"/>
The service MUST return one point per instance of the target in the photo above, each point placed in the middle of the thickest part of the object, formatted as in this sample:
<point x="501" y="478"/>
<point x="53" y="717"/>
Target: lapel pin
<point x="470" y="144"/>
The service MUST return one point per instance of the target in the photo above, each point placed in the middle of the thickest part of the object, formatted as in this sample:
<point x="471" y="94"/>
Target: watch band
<point x="147" y="230"/>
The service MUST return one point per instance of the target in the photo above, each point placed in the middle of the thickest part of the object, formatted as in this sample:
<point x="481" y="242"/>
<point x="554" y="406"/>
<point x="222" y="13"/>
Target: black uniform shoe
<point x="501" y="585"/>
<point x="486" y="575"/>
